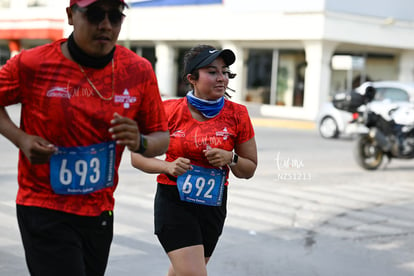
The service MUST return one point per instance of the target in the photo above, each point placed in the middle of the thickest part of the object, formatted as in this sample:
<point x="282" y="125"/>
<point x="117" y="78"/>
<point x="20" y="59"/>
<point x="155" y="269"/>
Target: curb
<point x="280" y="123"/>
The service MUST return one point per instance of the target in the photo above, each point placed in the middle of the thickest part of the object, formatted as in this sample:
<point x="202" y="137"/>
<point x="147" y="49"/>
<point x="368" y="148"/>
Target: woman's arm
<point x="246" y="163"/>
<point x="155" y="165"/>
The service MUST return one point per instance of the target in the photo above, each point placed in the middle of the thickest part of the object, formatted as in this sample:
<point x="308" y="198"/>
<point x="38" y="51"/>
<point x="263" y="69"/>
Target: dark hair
<point x="193" y="53"/>
<point x="190" y="55"/>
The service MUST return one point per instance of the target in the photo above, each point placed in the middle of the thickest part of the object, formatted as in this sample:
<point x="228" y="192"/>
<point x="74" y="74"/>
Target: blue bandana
<point x="209" y="109"/>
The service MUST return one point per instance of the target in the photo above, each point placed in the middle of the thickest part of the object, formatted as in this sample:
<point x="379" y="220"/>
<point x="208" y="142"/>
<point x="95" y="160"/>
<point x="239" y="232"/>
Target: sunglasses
<point x="96" y="15"/>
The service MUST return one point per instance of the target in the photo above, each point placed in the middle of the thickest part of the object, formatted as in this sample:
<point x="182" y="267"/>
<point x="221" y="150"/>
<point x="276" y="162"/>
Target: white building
<point x="291" y="55"/>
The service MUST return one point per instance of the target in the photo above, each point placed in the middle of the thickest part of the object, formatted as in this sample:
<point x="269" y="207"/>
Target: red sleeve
<point x="10" y="82"/>
<point x="245" y="126"/>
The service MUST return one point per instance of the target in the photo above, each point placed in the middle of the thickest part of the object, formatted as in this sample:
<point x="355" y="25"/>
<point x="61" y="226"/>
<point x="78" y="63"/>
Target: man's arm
<point x="126" y="132"/>
<point x="8" y="129"/>
<point x="157" y="143"/>
<point x="35" y="148"/>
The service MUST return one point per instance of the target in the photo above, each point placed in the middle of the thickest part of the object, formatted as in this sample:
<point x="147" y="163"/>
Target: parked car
<point x="333" y="122"/>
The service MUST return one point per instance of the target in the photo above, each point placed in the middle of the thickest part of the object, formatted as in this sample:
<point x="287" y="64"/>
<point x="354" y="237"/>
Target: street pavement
<point x="307" y="212"/>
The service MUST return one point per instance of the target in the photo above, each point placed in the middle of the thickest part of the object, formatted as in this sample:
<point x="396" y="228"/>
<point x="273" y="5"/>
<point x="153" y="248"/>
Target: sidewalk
<point x="282" y="123"/>
<point x="265" y="121"/>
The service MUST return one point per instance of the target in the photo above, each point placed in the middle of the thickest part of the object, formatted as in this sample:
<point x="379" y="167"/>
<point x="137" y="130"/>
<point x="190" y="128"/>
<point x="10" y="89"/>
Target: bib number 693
<point x="81" y="169"/>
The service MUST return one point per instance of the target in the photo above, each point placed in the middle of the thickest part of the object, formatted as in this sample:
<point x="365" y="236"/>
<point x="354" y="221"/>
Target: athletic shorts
<point x="59" y="243"/>
<point x="180" y="224"/>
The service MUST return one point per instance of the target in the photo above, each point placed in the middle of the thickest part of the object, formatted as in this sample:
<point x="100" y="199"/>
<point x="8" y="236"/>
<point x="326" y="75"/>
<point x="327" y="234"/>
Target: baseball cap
<point x="85" y="3"/>
<point x="208" y="56"/>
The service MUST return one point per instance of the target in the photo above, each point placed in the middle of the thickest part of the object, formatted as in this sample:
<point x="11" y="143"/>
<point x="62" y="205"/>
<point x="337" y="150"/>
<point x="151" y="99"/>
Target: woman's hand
<point x="218" y="157"/>
<point x="247" y="158"/>
<point x="178" y="166"/>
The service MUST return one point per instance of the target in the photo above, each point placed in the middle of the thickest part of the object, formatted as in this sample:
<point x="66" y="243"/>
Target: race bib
<point x="202" y="186"/>
<point x="82" y="170"/>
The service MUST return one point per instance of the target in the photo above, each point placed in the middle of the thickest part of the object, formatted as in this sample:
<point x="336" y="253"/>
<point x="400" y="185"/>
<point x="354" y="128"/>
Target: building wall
<point x="319" y="29"/>
<point x="397" y="9"/>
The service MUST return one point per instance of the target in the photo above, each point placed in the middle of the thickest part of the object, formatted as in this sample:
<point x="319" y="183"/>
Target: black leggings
<point x="179" y="224"/>
<point x="59" y="243"/>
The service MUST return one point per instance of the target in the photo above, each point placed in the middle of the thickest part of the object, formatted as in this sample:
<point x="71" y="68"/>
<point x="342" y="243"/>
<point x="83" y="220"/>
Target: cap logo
<point x="212" y="51"/>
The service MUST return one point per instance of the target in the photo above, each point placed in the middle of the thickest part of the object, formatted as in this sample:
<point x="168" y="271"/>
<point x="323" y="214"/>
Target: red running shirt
<point x="189" y="137"/>
<point x="60" y="105"/>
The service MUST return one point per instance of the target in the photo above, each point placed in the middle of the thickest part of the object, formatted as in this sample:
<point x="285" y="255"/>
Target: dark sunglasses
<point x="96" y="15"/>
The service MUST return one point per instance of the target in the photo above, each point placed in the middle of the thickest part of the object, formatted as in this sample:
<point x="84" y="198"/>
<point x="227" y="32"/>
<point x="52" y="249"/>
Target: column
<point x="238" y="68"/>
<point x="406" y="66"/>
<point x="166" y="69"/>
<point x="318" y="75"/>
<point x="19" y="4"/>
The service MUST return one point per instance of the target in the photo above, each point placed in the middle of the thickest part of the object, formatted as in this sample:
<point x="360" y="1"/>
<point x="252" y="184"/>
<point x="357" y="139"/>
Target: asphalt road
<point x="308" y="211"/>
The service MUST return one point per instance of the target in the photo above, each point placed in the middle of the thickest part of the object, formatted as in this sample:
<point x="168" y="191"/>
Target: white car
<point x="333" y="122"/>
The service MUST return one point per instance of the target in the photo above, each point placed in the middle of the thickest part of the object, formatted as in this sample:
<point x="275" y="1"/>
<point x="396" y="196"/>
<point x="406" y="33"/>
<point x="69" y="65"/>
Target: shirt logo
<point x="224" y="133"/>
<point x="126" y="99"/>
<point x="178" y="133"/>
<point x="58" y="92"/>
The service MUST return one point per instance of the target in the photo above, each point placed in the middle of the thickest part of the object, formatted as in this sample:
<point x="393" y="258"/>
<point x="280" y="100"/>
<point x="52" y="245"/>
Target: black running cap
<point x="207" y="56"/>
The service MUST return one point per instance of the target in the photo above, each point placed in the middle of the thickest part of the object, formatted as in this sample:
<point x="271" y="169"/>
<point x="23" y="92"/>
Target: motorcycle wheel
<point x="367" y="154"/>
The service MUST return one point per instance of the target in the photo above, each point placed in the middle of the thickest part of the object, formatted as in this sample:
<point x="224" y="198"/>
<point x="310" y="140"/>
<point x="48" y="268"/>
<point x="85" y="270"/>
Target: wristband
<point x="143" y="144"/>
<point x="234" y="159"/>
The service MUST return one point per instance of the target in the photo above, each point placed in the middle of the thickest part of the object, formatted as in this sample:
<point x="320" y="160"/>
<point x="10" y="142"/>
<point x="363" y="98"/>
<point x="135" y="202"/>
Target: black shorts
<point x="59" y="243"/>
<point x="179" y="224"/>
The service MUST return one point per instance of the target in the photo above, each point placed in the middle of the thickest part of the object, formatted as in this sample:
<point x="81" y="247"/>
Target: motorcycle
<point x="385" y="129"/>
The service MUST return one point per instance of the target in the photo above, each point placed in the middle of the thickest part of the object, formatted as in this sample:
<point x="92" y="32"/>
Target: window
<point x="37" y="3"/>
<point x="391" y="93"/>
<point x="290" y="78"/>
<point x="146" y="52"/>
<point x="4" y="54"/>
<point x="5" y="4"/>
<point x="286" y="86"/>
<point x="259" y="75"/>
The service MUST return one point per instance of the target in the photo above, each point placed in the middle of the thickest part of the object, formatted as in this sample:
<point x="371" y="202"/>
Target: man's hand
<point x="125" y="132"/>
<point x="37" y="149"/>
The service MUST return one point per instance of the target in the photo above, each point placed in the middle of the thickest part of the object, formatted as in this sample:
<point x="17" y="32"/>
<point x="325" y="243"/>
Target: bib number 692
<point x="200" y="183"/>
